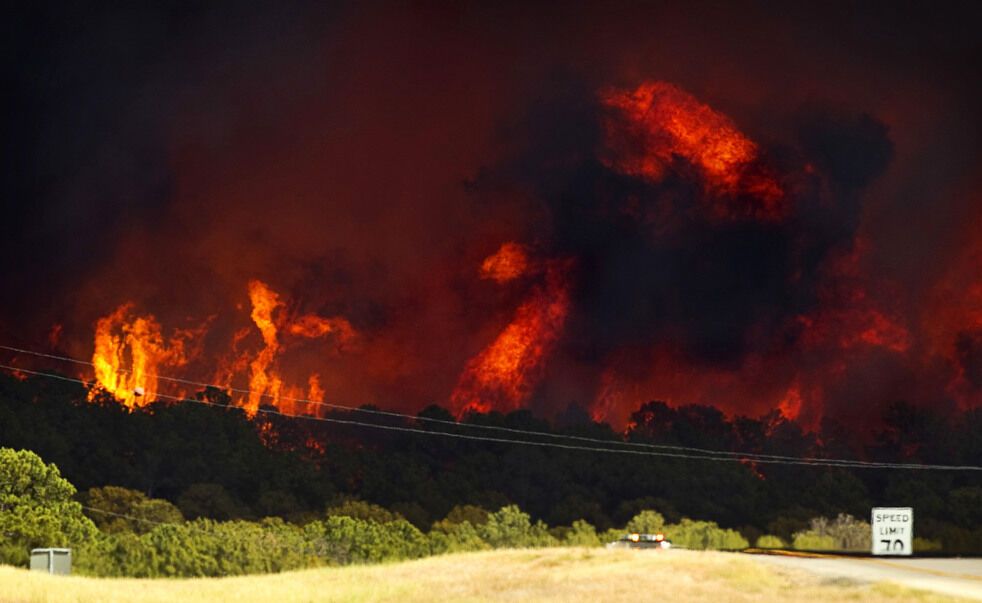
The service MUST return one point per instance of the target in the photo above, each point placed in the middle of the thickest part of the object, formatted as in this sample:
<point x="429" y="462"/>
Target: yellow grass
<point x="512" y="575"/>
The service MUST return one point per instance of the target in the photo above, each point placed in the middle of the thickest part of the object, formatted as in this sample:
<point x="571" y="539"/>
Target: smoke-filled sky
<point x="753" y="206"/>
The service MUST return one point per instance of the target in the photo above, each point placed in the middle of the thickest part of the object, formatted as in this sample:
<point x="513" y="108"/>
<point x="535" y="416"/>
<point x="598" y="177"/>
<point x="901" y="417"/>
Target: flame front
<point x="502" y="376"/>
<point x="129" y="350"/>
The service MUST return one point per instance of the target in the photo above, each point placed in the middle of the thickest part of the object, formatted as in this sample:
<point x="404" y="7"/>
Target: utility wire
<point x="557" y="445"/>
<point x="525" y="432"/>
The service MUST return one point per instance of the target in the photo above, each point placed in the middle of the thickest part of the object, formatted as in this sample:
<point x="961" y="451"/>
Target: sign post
<point x="893" y="530"/>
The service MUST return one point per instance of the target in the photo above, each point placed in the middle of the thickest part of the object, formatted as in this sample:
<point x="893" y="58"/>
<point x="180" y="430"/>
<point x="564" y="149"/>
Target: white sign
<point x="893" y="530"/>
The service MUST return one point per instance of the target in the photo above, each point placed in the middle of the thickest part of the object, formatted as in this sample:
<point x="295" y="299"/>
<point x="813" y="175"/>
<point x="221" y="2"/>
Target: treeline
<point x="214" y="463"/>
<point x="114" y="531"/>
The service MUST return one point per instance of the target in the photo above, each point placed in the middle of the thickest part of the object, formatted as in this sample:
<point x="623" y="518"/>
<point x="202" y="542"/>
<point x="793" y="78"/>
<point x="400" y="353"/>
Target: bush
<point x="693" y="534"/>
<point x="359" y="509"/>
<point x="646" y="522"/>
<point x="581" y="533"/>
<point x="845" y="532"/>
<point x="343" y="540"/>
<point x="768" y="541"/>
<point x="108" y="505"/>
<point x="510" y="527"/>
<point x="455" y="538"/>
<point x="473" y="514"/>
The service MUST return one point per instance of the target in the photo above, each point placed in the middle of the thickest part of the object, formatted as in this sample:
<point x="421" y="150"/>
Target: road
<point x="950" y="576"/>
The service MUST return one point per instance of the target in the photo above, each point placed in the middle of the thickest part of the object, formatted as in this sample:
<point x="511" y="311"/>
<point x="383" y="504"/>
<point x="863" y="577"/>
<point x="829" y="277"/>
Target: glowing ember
<point x="503" y="375"/>
<point x="509" y="262"/>
<point x="656" y="124"/>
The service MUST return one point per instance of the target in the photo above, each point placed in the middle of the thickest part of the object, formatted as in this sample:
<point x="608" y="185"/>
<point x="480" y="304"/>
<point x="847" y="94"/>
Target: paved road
<point x="950" y="576"/>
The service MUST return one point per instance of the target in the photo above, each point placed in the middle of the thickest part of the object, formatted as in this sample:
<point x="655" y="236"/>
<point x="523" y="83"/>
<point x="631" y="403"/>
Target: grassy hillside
<point x="510" y="575"/>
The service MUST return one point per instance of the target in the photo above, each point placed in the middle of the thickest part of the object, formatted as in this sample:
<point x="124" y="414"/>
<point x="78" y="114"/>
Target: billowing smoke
<point x="434" y="215"/>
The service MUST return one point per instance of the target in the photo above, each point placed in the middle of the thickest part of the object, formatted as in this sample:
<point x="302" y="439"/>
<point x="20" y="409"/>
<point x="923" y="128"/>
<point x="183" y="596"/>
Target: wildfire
<point x="658" y="123"/>
<point x="849" y="317"/>
<point x="502" y="375"/>
<point x="261" y="382"/>
<point x="130" y="349"/>
<point x="266" y="386"/>
<point x="790" y="405"/>
<point x="508" y="263"/>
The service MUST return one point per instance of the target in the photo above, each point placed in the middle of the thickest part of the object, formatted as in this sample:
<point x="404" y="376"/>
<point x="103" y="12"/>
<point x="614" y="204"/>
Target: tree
<point x="36" y="508"/>
<point x="646" y="522"/>
<point x="364" y="511"/>
<point x="114" y="509"/>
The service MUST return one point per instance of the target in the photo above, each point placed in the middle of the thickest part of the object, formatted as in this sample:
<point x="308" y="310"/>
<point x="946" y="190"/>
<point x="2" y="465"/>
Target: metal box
<point x="53" y="561"/>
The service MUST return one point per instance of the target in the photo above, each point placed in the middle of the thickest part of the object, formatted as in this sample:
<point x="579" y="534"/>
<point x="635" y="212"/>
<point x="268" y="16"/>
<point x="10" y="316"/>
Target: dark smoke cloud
<point x="651" y="267"/>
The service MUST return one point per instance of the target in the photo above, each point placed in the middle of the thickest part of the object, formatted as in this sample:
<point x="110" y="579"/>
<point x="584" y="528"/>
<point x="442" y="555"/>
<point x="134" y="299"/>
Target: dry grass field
<point x="513" y="575"/>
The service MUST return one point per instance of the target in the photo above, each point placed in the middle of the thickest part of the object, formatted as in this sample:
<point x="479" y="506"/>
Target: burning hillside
<point x="666" y="216"/>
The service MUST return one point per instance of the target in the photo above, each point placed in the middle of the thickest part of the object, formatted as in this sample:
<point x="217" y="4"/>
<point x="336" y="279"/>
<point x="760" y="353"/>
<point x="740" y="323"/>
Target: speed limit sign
<point x="893" y="530"/>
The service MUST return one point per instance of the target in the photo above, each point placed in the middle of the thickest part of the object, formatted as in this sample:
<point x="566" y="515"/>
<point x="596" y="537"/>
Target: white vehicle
<point x="642" y="541"/>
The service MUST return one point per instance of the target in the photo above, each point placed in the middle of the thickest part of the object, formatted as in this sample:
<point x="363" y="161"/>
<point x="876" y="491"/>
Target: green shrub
<point x="692" y="534"/>
<point x="646" y="522"/>
<point x="108" y="505"/>
<point x="455" y="538"/>
<point x="359" y="509"/>
<point x="343" y="540"/>
<point x="845" y="532"/>
<point x="510" y="527"/>
<point x="473" y="514"/>
<point x="611" y="535"/>
<point x="768" y="541"/>
<point x="581" y="533"/>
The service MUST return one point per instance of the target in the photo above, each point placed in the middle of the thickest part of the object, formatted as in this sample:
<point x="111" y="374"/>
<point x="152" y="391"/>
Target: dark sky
<point x="364" y="158"/>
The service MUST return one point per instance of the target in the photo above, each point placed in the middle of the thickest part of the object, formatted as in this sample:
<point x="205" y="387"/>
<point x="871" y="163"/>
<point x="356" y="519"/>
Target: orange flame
<point x="261" y="382"/>
<point x="658" y="123"/>
<point x="265" y="384"/>
<point x="128" y="352"/>
<point x="508" y="263"/>
<point x="312" y="326"/>
<point x="502" y="375"/>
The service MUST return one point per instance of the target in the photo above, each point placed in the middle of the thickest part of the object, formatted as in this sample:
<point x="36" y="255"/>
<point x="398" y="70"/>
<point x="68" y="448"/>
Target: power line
<point x="649" y="453"/>
<point x="753" y="456"/>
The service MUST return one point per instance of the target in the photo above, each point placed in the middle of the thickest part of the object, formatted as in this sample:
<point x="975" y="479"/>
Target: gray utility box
<point x="53" y="561"/>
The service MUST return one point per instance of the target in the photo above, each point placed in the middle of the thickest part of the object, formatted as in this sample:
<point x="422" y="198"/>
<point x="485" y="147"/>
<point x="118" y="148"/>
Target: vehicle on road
<point x="635" y="540"/>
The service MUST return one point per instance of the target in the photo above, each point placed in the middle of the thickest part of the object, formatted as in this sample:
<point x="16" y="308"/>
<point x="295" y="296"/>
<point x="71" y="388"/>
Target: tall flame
<point x="261" y="382"/>
<point x="502" y="376"/>
<point x="266" y="386"/>
<point x="130" y="349"/>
